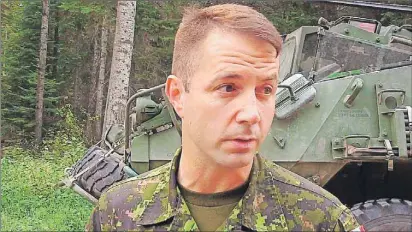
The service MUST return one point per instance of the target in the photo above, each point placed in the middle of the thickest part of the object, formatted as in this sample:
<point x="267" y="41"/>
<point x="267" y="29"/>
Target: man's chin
<point x="236" y="160"/>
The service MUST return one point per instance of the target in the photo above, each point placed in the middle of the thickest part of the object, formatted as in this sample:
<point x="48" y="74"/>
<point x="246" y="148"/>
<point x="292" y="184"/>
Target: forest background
<point x="76" y="79"/>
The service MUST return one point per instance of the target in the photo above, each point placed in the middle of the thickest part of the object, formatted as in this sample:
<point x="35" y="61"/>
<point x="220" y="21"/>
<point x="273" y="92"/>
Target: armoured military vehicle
<point x="343" y="120"/>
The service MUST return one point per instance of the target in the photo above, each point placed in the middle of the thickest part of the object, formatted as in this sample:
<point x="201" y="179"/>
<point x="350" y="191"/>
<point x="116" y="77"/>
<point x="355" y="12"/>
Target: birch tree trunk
<point x="92" y="94"/>
<point x="121" y="62"/>
<point x="100" y="82"/>
<point x="41" y="71"/>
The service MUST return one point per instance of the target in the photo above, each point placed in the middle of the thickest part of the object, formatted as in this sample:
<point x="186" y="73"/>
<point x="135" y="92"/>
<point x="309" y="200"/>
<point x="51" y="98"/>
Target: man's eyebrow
<point x="273" y="76"/>
<point x="237" y="76"/>
<point x="227" y="75"/>
<point x="269" y="78"/>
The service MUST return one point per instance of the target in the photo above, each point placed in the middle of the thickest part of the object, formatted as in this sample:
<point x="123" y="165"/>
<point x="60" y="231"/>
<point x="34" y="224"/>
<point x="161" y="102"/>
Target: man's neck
<point x="198" y="174"/>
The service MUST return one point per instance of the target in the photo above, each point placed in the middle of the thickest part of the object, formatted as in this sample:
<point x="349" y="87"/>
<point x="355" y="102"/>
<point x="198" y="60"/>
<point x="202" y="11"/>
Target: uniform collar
<point x="259" y="209"/>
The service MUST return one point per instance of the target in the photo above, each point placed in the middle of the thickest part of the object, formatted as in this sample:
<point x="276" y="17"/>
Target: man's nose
<point x="249" y="111"/>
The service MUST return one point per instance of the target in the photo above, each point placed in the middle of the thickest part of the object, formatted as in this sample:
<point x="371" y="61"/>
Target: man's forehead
<point x="219" y="39"/>
<point x="223" y="51"/>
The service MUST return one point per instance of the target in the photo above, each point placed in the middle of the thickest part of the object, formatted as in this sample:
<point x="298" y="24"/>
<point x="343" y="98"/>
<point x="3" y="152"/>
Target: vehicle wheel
<point x="384" y="215"/>
<point x="101" y="176"/>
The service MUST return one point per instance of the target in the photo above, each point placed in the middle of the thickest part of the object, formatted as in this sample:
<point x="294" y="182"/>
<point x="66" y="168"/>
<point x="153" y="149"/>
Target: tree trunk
<point x="100" y="82"/>
<point x="41" y="71"/>
<point x="1" y="76"/>
<point x="92" y="93"/>
<point x="117" y="93"/>
<point x="56" y="44"/>
<point x="76" y="94"/>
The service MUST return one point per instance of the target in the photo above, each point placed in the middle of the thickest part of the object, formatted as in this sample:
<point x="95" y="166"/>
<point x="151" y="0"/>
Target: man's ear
<point x="175" y="92"/>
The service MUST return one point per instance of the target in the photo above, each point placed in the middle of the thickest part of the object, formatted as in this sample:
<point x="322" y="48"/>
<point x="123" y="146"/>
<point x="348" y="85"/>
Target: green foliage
<point x="293" y="14"/>
<point x="155" y="30"/>
<point x="21" y="42"/>
<point x="66" y="137"/>
<point x="388" y="18"/>
<point x="31" y="199"/>
<point x="82" y="7"/>
<point x="69" y="26"/>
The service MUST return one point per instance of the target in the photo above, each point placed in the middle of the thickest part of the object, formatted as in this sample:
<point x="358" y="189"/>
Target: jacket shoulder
<point x="128" y="193"/>
<point x="152" y="176"/>
<point x="123" y="202"/>
<point x="306" y="205"/>
<point x="298" y="183"/>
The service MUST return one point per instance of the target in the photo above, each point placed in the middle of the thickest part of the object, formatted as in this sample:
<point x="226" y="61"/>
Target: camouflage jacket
<point x="276" y="200"/>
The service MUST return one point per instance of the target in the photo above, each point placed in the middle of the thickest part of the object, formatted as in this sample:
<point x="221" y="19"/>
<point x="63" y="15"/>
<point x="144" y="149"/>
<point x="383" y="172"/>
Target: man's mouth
<point x="242" y="144"/>
<point x="245" y="138"/>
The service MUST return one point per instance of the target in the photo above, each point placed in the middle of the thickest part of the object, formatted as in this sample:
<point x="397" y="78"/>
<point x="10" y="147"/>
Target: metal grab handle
<point x="345" y="144"/>
<point x="127" y="119"/>
<point x="392" y="91"/>
<point x="356" y="136"/>
<point x="292" y="94"/>
<point x="396" y="39"/>
<point x="406" y="26"/>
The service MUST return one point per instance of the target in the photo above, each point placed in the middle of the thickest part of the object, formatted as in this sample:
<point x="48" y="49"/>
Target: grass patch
<point x="31" y="200"/>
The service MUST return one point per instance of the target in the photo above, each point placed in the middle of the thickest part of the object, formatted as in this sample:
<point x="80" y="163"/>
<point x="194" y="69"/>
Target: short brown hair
<point x="197" y="23"/>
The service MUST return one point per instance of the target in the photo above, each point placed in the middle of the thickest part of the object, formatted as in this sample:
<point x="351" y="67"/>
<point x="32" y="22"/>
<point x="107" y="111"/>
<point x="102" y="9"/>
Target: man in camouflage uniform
<point x="223" y="86"/>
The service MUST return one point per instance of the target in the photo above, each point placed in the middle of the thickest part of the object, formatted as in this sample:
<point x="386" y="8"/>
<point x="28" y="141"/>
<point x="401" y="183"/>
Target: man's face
<point x="228" y="109"/>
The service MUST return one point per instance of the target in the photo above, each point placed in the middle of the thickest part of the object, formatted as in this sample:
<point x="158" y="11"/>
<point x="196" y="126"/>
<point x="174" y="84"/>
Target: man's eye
<point x="268" y="90"/>
<point x="227" y="88"/>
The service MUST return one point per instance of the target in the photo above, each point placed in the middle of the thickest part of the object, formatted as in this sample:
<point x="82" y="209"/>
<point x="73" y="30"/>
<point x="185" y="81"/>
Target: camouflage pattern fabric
<point x="276" y="200"/>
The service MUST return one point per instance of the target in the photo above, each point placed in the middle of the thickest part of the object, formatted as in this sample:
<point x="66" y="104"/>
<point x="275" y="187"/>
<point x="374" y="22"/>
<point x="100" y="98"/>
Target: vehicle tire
<point x="101" y="176"/>
<point x="384" y="215"/>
